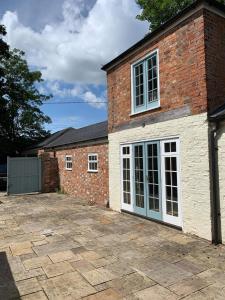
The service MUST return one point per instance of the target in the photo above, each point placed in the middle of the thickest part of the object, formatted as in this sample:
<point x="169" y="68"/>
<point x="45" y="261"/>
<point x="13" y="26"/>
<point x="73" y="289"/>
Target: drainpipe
<point x="214" y="183"/>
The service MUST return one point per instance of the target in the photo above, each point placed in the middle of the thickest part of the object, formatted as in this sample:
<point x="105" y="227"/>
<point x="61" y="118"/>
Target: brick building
<point x="76" y="162"/>
<point x="166" y="107"/>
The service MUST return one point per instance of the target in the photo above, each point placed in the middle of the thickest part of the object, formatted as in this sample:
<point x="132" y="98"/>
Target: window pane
<point x="174" y="178"/>
<point x="168" y="178"/>
<point x="167" y="163"/>
<point x="154" y="72"/>
<point x="173" y="147"/>
<point x="155" y="160"/>
<point x="169" y="208"/>
<point x="155" y="152"/>
<point x="139" y="85"/>
<point x="168" y="193"/>
<point x="152" y="79"/>
<point x="154" y="60"/>
<point x="174" y="163"/>
<point x="126" y="176"/>
<point x="174" y="190"/>
<point x="126" y="150"/>
<point x="175" y="209"/>
<point x="167" y="147"/>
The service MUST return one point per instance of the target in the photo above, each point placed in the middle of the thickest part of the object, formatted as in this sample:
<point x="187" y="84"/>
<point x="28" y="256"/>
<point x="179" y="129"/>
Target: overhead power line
<point x="74" y="102"/>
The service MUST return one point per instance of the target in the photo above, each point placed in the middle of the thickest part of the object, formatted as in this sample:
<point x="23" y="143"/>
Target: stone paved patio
<point x="54" y="247"/>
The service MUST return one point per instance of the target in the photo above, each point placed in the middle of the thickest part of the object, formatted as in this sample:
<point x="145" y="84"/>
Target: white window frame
<point x="68" y="161"/>
<point x="134" y="110"/>
<point x="92" y="161"/>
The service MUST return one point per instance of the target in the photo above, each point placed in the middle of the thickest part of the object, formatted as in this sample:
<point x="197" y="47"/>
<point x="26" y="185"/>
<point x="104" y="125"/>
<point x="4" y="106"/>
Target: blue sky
<point x="69" y="41"/>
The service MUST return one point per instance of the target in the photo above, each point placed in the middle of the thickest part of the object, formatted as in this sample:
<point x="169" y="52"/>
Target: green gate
<point x="24" y="175"/>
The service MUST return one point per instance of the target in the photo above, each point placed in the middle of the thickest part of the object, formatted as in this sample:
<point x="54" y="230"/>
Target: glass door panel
<point x="139" y="180"/>
<point x="126" y="178"/>
<point x="170" y="171"/>
<point x="154" y="207"/>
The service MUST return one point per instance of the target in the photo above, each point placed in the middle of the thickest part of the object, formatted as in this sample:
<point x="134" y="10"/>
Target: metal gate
<point x="24" y="175"/>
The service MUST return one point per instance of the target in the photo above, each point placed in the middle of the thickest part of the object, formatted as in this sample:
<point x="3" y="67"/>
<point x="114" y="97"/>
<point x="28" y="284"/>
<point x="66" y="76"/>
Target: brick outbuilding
<point x="75" y="161"/>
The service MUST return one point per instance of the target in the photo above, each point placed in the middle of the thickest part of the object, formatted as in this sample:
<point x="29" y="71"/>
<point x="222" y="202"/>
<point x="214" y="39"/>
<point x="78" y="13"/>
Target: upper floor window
<point x="93" y="162"/>
<point x="145" y="83"/>
<point x="69" y="162"/>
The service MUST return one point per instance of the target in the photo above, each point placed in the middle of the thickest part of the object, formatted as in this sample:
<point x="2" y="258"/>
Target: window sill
<point x="144" y="111"/>
<point x="92" y="171"/>
<point x="69" y="169"/>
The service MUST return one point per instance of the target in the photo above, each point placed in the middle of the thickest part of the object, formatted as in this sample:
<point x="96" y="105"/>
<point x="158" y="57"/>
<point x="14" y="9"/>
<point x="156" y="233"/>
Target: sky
<point x="69" y="41"/>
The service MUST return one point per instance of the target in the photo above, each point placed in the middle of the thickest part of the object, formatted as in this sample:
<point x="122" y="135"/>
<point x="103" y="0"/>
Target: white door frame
<point x="177" y="221"/>
<point x="126" y="206"/>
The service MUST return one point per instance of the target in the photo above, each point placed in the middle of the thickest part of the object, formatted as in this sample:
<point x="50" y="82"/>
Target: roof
<point x="84" y="134"/>
<point x="148" y="37"/>
<point x="50" y="139"/>
<point x="218" y="114"/>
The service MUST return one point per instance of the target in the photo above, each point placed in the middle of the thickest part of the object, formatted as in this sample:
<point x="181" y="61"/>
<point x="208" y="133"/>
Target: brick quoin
<point x="191" y="71"/>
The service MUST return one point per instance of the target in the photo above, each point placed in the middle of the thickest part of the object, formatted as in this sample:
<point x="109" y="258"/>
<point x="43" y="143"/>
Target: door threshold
<point x="153" y="220"/>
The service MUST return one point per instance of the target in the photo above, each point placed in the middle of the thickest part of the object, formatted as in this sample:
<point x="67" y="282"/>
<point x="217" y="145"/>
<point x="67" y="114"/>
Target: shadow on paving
<point x="8" y="289"/>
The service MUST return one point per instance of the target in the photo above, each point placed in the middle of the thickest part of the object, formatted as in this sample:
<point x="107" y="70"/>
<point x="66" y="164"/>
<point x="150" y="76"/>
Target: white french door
<point x="127" y="201"/>
<point x="150" y="180"/>
<point x="170" y="167"/>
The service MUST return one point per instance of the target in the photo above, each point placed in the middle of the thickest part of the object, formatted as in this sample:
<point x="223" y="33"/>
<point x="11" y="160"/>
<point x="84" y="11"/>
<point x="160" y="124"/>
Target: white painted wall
<point x="221" y="159"/>
<point x="194" y="159"/>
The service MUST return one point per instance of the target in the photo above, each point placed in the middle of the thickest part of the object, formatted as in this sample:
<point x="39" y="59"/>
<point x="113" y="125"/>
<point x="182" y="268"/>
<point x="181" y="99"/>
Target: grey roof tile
<point x="73" y="136"/>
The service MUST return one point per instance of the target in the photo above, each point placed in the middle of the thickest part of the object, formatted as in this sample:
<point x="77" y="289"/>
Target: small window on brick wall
<point x="93" y="162"/>
<point x="68" y="162"/>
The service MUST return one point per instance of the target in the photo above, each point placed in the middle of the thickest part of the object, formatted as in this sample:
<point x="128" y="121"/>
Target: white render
<point x="194" y="161"/>
<point x="221" y="162"/>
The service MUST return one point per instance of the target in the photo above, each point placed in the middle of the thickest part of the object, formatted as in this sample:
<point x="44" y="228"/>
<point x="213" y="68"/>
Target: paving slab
<point x="98" y="276"/>
<point x="28" y="274"/>
<point x="36" y="262"/>
<point x="168" y="274"/>
<point x="156" y="292"/>
<point x="188" y="286"/>
<point x="131" y="283"/>
<point x="55" y="247"/>
<point x="28" y="286"/>
<point x="35" y="296"/>
<point x="82" y="266"/>
<point x="64" y="255"/>
<point x="57" y="269"/>
<point x="67" y="286"/>
<point x="21" y="248"/>
<point x="109" y="294"/>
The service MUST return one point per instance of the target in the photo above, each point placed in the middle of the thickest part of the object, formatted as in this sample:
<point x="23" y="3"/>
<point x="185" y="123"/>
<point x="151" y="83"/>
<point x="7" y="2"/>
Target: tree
<point x="21" y="120"/>
<point x="4" y="53"/>
<point x="157" y="12"/>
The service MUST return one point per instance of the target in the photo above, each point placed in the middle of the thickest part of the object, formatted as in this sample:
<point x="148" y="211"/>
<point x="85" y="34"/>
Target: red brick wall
<point x="182" y="73"/>
<point x="87" y="186"/>
<point x="50" y="172"/>
<point x="215" y="59"/>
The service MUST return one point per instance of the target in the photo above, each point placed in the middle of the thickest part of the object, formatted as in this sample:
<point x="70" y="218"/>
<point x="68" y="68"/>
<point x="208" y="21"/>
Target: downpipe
<point x="214" y="182"/>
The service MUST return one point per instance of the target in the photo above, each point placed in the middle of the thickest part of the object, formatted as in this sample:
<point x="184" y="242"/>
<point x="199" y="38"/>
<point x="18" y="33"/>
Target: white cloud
<point x="76" y="93"/>
<point x="73" y="49"/>
<point x="94" y="101"/>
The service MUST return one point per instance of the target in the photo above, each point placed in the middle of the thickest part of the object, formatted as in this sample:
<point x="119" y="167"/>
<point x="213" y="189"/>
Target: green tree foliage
<point x="21" y="120"/>
<point x="157" y="12"/>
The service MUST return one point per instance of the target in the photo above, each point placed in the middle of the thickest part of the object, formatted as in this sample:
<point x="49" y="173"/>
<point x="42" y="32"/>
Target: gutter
<point x="214" y="182"/>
